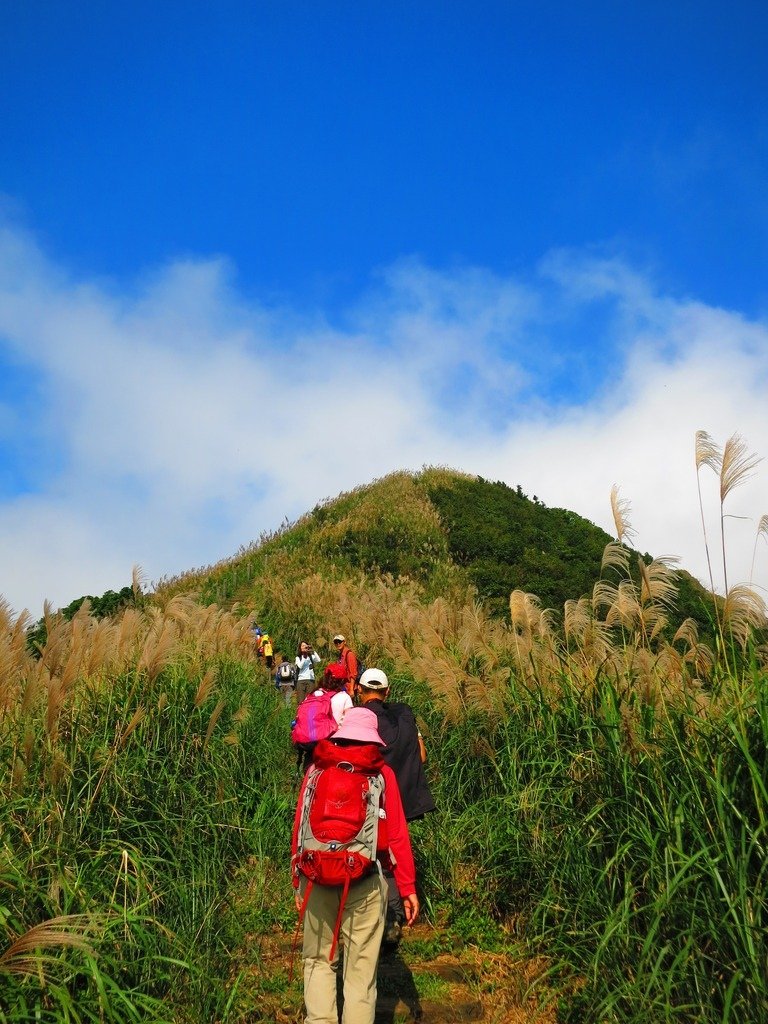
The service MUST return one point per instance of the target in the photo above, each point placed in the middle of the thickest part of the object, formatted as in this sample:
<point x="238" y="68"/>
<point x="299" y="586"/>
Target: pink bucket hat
<point x="361" y="725"/>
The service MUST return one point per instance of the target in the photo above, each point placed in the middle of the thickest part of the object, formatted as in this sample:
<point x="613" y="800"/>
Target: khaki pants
<point x="362" y="926"/>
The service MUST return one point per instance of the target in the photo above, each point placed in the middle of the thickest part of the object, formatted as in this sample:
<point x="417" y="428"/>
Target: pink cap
<point x="361" y="725"/>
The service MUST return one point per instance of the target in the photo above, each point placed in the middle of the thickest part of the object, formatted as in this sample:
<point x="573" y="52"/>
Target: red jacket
<point x="393" y="829"/>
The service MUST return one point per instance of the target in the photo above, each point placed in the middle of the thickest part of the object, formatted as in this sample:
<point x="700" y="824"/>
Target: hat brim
<point x="359" y="734"/>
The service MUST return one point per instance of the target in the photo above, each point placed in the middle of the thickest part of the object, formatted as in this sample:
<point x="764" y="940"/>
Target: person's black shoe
<point x="393" y="933"/>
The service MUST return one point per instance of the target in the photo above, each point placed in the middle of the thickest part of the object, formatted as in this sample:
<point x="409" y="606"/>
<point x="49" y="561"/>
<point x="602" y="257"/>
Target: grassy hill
<point x="438" y="528"/>
<point x="432" y="534"/>
<point x="599" y="770"/>
<point x="438" y="533"/>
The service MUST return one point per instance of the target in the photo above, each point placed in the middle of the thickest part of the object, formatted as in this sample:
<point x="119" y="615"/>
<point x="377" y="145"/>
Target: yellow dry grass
<point x="69" y="930"/>
<point x="87" y="652"/>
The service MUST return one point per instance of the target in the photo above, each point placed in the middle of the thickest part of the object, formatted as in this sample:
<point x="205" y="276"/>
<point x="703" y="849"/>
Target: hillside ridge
<point x="441" y="531"/>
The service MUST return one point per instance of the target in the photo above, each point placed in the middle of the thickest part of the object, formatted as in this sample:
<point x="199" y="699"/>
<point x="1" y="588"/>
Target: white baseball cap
<point x="374" y="679"/>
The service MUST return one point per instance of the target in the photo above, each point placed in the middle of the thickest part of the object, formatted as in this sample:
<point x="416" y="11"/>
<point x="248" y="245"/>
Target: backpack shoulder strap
<point x="313" y="774"/>
<point x="369" y="834"/>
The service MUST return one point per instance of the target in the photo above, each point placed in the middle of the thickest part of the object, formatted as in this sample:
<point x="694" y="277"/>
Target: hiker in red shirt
<point x="340" y="891"/>
<point x="348" y="658"/>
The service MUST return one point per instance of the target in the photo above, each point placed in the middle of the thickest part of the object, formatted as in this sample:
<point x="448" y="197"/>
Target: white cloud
<point x="182" y="419"/>
<point x="702" y="369"/>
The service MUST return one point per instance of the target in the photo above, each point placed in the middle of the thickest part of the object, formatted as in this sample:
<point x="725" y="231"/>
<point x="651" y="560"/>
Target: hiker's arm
<point x="397" y="836"/>
<point x="410" y="906"/>
<point x="407" y="716"/>
<point x="422" y="748"/>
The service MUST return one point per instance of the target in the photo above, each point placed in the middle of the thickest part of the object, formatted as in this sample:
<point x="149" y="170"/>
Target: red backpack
<point x="338" y="829"/>
<point x="314" y="719"/>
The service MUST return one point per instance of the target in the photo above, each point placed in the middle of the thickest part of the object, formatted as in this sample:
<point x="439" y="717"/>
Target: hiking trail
<point x="433" y="978"/>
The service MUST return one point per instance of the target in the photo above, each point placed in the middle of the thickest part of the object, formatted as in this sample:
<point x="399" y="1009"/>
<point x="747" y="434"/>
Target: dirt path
<point x="451" y="987"/>
<point x="424" y="981"/>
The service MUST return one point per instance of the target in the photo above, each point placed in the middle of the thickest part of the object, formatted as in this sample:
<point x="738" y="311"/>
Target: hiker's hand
<point x="297" y="900"/>
<point x="411" y="907"/>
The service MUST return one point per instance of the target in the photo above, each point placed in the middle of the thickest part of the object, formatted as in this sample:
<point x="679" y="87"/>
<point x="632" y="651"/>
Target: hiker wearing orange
<point x="340" y="891"/>
<point x="348" y="658"/>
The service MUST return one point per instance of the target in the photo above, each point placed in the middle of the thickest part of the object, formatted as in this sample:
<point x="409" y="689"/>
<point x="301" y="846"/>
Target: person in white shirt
<point x="306" y="659"/>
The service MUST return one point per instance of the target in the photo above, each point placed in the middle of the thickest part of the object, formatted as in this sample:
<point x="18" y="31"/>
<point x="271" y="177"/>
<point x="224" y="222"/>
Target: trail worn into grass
<point x="465" y="984"/>
<point x="433" y="979"/>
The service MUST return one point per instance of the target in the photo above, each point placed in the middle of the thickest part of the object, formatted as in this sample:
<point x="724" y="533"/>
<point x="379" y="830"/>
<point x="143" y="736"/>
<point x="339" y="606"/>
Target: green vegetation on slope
<point x="101" y="607"/>
<point x="622" y="840"/>
<point x="507" y="541"/>
<point x="442" y="531"/>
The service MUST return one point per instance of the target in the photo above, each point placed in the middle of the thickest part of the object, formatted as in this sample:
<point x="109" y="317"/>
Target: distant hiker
<point x="306" y="659"/>
<point x="266" y="649"/>
<point x="405" y="754"/>
<point x="256" y="635"/>
<point x="349" y="820"/>
<point x="285" y="680"/>
<point x="348" y="659"/>
<point x="320" y="714"/>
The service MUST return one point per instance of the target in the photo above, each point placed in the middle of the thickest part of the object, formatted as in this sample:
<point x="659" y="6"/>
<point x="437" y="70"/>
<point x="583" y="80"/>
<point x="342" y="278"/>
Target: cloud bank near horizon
<point x="168" y="421"/>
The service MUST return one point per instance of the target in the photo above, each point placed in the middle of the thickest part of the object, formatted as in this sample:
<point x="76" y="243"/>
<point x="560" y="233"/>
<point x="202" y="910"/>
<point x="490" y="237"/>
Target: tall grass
<point x="633" y="857"/>
<point x="139" y="770"/>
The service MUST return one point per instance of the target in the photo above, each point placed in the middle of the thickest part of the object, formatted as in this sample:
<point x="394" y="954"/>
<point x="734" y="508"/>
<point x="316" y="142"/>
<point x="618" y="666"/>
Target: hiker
<point x="405" y="754"/>
<point x="320" y="714"/>
<point x="256" y="635"/>
<point x="348" y="659"/>
<point x="265" y="648"/>
<point x="306" y="659"/>
<point x="285" y="680"/>
<point x="350" y="797"/>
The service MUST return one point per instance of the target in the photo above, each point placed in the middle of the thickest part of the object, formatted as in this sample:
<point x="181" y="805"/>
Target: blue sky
<point x="525" y="239"/>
